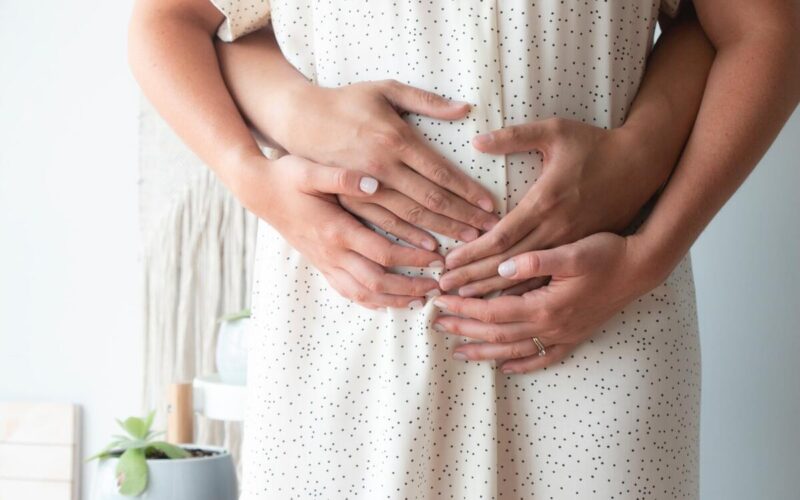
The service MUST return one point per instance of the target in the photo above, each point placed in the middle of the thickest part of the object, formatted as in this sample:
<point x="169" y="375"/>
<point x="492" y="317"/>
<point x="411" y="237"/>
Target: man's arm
<point x="752" y="89"/>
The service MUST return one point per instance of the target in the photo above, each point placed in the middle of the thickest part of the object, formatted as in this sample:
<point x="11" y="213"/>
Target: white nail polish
<point x="368" y="185"/>
<point x="433" y="293"/>
<point x="415" y="304"/>
<point x="459" y="355"/>
<point x="507" y="269"/>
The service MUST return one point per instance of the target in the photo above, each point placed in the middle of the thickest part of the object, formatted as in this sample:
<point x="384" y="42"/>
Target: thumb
<point x="334" y="180"/>
<point x="514" y="139"/>
<point x="423" y="102"/>
<point x="558" y="261"/>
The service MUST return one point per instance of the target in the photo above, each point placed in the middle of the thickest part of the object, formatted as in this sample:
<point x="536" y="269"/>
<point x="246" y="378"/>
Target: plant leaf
<point x="170" y="450"/>
<point x="244" y="313"/>
<point x="102" y="453"/>
<point x="148" y="422"/>
<point x="132" y="472"/>
<point x="135" y="426"/>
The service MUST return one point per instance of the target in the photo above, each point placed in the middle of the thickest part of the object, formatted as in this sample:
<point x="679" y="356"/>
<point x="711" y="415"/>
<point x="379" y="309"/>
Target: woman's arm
<point x="173" y="58"/>
<point x="753" y="87"/>
<point x="359" y="126"/>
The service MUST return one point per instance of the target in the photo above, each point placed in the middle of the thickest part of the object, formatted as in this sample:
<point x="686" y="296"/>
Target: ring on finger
<point x="539" y="346"/>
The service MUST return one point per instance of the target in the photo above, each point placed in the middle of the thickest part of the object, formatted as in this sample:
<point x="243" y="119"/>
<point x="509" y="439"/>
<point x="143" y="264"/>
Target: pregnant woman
<point x="364" y="382"/>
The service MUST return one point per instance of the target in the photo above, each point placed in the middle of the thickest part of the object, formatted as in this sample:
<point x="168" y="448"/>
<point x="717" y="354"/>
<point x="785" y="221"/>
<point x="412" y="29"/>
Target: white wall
<point x="747" y="272"/>
<point x="69" y="276"/>
<point x="69" y="280"/>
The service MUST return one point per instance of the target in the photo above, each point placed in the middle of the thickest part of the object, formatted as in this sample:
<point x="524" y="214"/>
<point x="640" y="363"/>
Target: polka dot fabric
<point x="344" y="402"/>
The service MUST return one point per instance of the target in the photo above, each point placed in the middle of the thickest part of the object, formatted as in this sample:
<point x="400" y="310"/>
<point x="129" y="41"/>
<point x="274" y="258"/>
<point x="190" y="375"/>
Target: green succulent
<point x="136" y="446"/>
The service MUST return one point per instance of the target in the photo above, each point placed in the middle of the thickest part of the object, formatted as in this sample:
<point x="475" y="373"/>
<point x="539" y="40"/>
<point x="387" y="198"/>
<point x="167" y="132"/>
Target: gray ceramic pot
<point x="202" y="478"/>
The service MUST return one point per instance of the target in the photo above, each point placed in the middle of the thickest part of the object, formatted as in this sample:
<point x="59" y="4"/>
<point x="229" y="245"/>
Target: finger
<point x="512" y="228"/>
<point x="334" y="180"/>
<point x="506" y="309"/>
<point x="485" y="332"/>
<point x="441" y="201"/>
<point x="516" y="138"/>
<point x="414" y="213"/>
<point x="422" y="102"/>
<point x="385" y="253"/>
<point x="390" y="223"/>
<point x="484" y="287"/>
<point x="553" y="355"/>
<point x="562" y="261"/>
<point x="471" y="273"/>
<point x="375" y="278"/>
<point x="488" y="350"/>
<point x="346" y="286"/>
<point x="420" y="157"/>
<point x="526" y="286"/>
<point x="358" y="293"/>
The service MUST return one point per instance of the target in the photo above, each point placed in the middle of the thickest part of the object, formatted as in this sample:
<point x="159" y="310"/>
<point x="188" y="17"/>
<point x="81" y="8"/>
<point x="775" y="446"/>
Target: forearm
<point x="172" y="56"/>
<point x="751" y="91"/>
<point x="260" y="78"/>
<point x="661" y="116"/>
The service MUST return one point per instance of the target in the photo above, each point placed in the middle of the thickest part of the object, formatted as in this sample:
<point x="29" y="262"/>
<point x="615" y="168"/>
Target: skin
<point x="752" y="88"/>
<point x="190" y="93"/>
<point x="594" y="180"/>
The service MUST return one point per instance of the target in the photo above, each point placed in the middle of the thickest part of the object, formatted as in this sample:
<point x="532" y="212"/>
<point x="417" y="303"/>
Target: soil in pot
<point x="153" y="454"/>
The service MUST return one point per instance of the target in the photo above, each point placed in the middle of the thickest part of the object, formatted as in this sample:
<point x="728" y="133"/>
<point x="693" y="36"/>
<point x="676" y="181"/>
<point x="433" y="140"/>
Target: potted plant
<point x="137" y="465"/>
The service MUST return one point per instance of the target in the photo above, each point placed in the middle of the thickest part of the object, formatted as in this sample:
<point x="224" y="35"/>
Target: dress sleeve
<point x="241" y="17"/>
<point x="671" y="7"/>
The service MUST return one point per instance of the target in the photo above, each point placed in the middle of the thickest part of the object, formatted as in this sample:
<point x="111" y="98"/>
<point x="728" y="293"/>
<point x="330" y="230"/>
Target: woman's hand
<point x="301" y="205"/>
<point x="359" y="127"/>
<point x="592" y="279"/>
<point x="593" y="180"/>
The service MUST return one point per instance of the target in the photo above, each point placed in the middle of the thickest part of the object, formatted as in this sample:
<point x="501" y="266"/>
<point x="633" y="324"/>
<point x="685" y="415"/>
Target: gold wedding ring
<point x="539" y="346"/>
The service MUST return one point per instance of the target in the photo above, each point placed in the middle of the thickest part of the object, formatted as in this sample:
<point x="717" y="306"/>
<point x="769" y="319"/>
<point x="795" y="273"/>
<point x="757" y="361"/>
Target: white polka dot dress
<point x="345" y="402"/>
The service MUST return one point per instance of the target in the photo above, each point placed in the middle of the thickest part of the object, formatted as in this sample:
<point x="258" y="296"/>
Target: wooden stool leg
<point x="180" y="414"/>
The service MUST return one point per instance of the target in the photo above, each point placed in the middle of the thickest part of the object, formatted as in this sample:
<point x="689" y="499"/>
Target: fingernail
<point x="414" y="304"/>
<point x="457" y="104"/>
<point x="488" y="225"/>
<point x="507" y="269"/>
<point x="459" y="355"/>
<point x="440" y="304"/>
<point x="437" y="264"/>
<point x="439" y="327"/>
<point x="433" y="293"/>
<point x="469" y="235"/>
<point x="467" y="291"/>
<point x="486" y="204"/>
<point x="368" y="185"/>
<point x="429" y="245"/>
<point x="507" y="370"/>
<point x="484" y="139"/>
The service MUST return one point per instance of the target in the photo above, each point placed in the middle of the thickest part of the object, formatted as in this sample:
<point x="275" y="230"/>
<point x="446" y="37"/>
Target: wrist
<point x="652" y="259"/>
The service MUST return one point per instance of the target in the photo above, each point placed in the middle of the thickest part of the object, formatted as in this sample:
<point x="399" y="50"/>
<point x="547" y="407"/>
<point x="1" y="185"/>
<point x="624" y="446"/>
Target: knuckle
<point x="374" y="167"/>
<point x="500" y="240"/>
<point x="382" y="257"/>
<point x="341" y="178"/>
<point x="515" y="351"/>
<point x="390" y="139"/>
<point x="374" y="284"/>
<point x="436" y="201"/>
<point x="414" y="214"/>
<point x="359" y="296"/>
<point x="388" y="224"/>
<point x="497" y="336"/>
<point x="441" y="175"/>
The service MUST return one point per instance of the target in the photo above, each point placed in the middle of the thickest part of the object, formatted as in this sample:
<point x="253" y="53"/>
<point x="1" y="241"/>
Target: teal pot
<point x="197" y="478"/>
